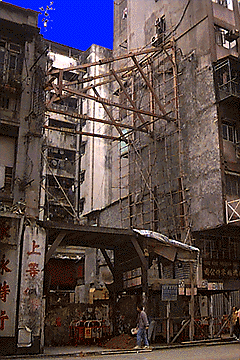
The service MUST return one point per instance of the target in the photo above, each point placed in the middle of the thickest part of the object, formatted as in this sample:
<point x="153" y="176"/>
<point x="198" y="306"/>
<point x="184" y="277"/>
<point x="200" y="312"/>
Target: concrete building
<point x="61" y="154"/>
<point x="47" y="173"/>
<point x="174" y="110"/>
<point x="182" y="178"/>
<point x="22" y="80"/>
<point x="75" y="164"/>
<point x="146" y="139"/>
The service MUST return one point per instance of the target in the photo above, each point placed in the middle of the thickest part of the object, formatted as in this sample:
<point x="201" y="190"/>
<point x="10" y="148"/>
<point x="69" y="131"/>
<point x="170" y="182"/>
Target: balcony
<point x="227" y="78"/>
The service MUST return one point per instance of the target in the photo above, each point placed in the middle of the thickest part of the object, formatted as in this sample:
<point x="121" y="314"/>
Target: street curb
<point x="121" y="351"/>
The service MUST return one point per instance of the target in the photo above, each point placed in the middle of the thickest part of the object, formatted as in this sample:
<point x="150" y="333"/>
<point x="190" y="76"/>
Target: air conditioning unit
<point x="232" y="35"/>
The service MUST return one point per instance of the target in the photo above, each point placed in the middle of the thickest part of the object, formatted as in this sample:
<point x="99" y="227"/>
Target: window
<point x="223" y="39"/>
<point x="226" y="3"/>
<point x="10" y="61"/>
<point x="82" y="176"/>
<point x="61" y="124"/>
<point x="81" y="204"/>
<point x="70" y="76"/>
<point x="160" y="25"/>
<point x="15" y="48"/>
<point x="8" y="179"/>
<point x="230" y="133"/>
<point x="82" y="149"/>
<point x="67" y="104"/>
<point x="4" y="102"/>
<point x="125" y="13"/>
<point x="222" y="247"/>
<point x="233" y="185"/>
<point x="124" y="146"/>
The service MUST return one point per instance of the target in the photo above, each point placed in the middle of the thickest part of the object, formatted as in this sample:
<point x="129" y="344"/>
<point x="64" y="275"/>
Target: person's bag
<point x="134" y="331"/>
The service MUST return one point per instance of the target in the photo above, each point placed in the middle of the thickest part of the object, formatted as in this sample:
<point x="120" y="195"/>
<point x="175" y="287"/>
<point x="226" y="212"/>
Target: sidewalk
<point x="100" y="351"/>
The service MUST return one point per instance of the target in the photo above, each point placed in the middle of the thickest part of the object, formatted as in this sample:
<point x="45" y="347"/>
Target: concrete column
<point x="211" y="31"/>
<point x="28" y="162"/>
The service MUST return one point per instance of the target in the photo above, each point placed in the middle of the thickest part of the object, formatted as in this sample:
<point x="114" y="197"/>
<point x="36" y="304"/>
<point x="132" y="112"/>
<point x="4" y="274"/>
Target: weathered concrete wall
<point x="31" y="115"/>
<point x="115" y="215"/>
<point x="202" y="165"/>
<point x="95" y="188"/>
<point x="28" y="17"/>
<point x="199" y="160"/>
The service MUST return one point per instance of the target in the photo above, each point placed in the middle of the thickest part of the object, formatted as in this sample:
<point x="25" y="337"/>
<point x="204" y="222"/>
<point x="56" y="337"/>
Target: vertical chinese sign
<point x="9" y="265"/>
<point x="32" y="274"/>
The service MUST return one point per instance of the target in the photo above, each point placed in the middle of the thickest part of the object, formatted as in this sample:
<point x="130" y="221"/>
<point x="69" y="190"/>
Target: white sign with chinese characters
<point x="9" y="265"/>
<point x="8" y="290"/>
<point x="31" y="290"/>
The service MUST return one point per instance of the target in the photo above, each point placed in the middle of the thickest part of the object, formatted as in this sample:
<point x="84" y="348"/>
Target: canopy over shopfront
<point x="133" y="252"/>
<point x="168" y="248"/>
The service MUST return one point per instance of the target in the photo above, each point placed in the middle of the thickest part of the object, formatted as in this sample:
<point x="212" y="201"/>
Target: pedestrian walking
<point x="233" y="321"/>
<point x="142" y="325"/>
<point x="237" y="325"/>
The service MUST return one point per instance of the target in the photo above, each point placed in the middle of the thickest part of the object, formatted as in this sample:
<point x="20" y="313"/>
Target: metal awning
<point x="168" y="248"/>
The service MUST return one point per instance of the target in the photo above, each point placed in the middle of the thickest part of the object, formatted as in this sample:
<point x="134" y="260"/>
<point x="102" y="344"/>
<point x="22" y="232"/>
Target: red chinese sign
<point x="32" y="266"/>
<point x="3" y="317"/>
<point x="4" y="291"/>
<point x="4" y="230"/>
<point x="34" y="247"/>
<point x="32" y="269"/>
<point x="3" y="265"/>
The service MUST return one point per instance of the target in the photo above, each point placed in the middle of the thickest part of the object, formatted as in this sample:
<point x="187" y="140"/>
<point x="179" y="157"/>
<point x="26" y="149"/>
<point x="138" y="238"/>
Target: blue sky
<point x="76" y="23"/>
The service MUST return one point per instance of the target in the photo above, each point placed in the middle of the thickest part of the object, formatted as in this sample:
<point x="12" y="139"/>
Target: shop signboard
<point x="221" y="269"/>
<point x="169" y="292"/>
<point x="31" y="288"/>
<point x="9" y="262"/>
<point x="132" y="278"/>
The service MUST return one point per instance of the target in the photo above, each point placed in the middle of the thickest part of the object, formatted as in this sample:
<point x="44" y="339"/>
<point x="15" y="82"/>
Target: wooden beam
<point x="86" y="117"/>
<point x="111" y="103"/>
<point x="139" y="252"/>
<point x="127" y="96"/>
<point x="108" y="261"/>
<point x="102" y="136"/>
<point x="92" y="78"/>
<point x="108" y="61"/>
<point x="181" y="330"/>
<point x="161" y="107"/>
<point x="108" y="112"/>
<point x="54" y="246"/>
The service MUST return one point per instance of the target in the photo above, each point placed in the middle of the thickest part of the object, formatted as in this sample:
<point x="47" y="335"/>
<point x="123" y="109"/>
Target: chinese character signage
<point x="132" y="278"/>
<point x="9" y="265"/>
<point x="169" y="292"/>
<point x="31" y="289"/>
<point x="221" y="269"/>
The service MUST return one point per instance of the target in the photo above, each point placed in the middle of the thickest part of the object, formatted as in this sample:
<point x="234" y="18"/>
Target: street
<point x="222" y="352"/>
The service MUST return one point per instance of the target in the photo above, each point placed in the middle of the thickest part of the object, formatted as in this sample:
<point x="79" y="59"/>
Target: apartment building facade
<point x="22" y="69"/>
<point x="182" y="178"/>
<point x="44" y="162"/>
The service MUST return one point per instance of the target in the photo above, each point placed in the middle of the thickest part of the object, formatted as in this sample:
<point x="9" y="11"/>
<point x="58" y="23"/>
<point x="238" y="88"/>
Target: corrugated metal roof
<point x="165" y="240"/>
